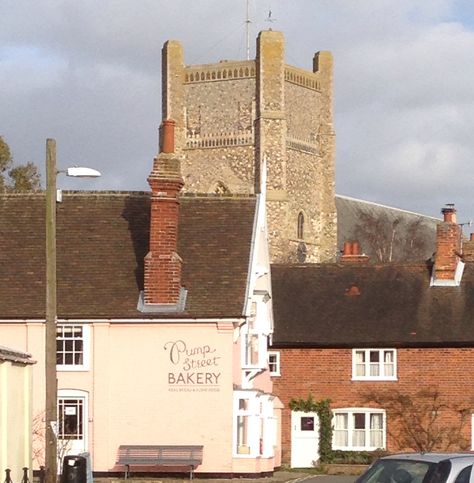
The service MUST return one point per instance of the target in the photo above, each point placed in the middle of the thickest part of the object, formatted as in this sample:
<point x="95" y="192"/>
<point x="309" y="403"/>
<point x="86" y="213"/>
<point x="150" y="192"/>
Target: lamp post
<point x="51" y="386"/>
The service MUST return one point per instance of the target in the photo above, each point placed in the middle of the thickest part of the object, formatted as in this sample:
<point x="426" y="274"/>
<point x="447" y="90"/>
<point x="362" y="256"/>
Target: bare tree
<point x="38" y="442"/>
<point x="391" y="240"/>
<point x="423" y="421"/>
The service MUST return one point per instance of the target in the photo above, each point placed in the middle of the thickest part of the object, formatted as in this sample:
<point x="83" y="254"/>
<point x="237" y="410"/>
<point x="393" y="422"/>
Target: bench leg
<point x="191" y="471"/>
<point x="127" y="471"/>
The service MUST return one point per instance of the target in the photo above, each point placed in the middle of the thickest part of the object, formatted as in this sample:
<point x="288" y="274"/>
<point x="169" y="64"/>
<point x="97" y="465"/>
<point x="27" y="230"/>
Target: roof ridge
<point x="350" y="198"/>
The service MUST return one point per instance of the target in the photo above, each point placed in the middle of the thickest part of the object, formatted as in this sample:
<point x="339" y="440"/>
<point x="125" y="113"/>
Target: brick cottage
<point x="377" y="340"/>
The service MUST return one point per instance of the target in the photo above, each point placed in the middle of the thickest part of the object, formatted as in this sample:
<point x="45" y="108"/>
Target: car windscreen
<point x="399" y="471"/>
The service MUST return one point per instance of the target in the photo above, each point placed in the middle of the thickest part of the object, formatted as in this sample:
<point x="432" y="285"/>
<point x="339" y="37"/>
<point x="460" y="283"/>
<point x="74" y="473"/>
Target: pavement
<point x="277" y="477"/>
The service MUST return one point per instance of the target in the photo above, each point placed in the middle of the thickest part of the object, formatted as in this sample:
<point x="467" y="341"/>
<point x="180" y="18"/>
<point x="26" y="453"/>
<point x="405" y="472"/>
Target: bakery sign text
<point x="195" y="367"/>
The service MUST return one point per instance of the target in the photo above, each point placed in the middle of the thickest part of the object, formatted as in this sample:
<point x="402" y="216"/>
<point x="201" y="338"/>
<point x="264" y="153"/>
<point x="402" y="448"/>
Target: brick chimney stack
<point x="351" y="253"/>
<point x="448" y="246"/>
<point x="162" y="263"/>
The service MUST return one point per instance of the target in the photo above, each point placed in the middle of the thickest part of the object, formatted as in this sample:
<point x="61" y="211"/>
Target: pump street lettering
<point x="178" y="349"/>
<point x="194" y="378"/>
<point x="193" y="364"/>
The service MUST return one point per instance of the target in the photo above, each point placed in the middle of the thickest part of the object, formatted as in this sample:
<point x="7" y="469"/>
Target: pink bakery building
<point x="164" y="316"/>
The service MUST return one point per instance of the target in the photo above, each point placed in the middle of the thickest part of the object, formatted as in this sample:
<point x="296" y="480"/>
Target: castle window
<point x="300" y="230"/>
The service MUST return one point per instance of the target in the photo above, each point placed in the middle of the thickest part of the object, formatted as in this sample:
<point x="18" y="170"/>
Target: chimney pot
<point x="449" y="214"/>
<point x="352" y="253"/>
<point x="347" y="250"/>
<point x="167" y="136"/>
<point x="355" y="248"/>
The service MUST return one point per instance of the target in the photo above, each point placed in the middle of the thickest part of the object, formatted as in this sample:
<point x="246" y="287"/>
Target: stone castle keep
<point x="233" y="116"/>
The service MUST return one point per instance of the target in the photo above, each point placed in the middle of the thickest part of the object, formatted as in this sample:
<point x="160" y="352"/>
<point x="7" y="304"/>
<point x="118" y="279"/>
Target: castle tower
<point x="232" y="115"/>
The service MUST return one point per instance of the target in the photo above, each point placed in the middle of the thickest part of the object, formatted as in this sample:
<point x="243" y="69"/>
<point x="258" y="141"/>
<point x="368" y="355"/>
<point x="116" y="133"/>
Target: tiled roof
<point x="102" y="239"/>
<point x="338" y="305"/>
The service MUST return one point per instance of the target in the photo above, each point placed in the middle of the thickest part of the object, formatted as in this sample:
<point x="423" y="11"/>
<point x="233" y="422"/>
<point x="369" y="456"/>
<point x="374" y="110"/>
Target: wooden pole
<point x="50" y="332"/>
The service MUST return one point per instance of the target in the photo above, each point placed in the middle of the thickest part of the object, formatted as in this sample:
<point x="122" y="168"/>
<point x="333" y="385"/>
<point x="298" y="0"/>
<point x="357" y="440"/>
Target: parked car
<point x="420" y="468"/>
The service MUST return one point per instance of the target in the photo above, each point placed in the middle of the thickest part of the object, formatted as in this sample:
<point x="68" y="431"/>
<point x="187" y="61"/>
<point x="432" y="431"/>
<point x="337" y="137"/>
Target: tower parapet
<point x="232" y="115"/>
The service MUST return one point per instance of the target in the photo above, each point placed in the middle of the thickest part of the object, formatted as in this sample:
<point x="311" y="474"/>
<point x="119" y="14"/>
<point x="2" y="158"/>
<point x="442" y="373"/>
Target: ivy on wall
<point x="326" y="453"/>
<point x="323" y="409"/>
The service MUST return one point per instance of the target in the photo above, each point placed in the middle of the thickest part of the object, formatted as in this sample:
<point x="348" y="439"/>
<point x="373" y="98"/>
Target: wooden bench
<point x="167" y="455"/>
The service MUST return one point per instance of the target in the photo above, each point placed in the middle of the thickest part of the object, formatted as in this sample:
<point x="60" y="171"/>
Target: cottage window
<point x="243" y="419"/>
<point x="274" y="363"/>
<point x="255" y="428"/>
<point x="72" y="421"/>
<point x="254" y="340"/>
<point x="359" y="429"/>
<point x="72" y="347"/>
<point x="374" y="364"/>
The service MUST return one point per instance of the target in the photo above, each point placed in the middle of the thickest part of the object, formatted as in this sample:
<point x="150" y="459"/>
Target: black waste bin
<point x="74" y="469"/>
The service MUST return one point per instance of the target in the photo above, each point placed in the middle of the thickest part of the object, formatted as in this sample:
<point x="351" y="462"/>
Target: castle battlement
<point x="302" y="77"/>
<point x="232" y="117"/>
<point x="222" y="71"/>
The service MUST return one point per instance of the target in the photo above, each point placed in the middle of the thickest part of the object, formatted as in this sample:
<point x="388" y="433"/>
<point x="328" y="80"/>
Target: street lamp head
<point x="82" y="172"/>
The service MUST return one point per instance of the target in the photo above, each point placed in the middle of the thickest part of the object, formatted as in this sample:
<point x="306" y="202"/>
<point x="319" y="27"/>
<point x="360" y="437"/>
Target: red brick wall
<point x="327" y="373"/>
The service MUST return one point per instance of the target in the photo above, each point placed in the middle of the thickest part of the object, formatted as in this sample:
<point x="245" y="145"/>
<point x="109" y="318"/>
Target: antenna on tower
<point x="247" y="29"/>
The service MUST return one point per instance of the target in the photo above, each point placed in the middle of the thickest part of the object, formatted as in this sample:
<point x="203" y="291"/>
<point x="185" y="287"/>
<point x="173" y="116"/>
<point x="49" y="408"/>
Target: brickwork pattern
<point x="327" y="373"/>
<point x="448" y="249"/>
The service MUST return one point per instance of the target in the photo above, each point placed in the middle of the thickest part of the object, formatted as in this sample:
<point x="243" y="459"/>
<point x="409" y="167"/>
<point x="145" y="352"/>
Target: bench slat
<point x="190" y="455"/>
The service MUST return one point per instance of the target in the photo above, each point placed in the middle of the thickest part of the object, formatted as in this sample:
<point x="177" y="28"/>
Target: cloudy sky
<point x="87" y="73"/>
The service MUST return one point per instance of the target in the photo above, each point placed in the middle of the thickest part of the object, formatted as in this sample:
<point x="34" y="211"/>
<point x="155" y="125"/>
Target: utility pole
<point x="51" y="419"/>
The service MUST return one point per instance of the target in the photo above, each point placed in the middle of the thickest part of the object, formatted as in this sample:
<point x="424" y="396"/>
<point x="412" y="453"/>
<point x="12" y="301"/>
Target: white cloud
<point x="88" y="74"/>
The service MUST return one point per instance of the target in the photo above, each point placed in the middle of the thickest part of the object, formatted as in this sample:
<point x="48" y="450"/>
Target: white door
<point x="304" y="439"/>
<point x="73" y="422"/>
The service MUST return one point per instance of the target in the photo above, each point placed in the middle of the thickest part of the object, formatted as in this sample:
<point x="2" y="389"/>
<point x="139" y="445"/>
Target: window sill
<point x="72" y="369"/>
<point x="356" y="448"/>
<point x="374" y="379"/>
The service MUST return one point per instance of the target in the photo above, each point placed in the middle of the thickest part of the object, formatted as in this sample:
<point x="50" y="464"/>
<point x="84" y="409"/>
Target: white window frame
<point x="261" y="429"/>
<point x="86" y="342"/>
<point x="350" y="428"/>
<point x="367" y="365"/>
<point x="79" y="394"/>
<point x="254" y="330"/>
<point x="276" y="363"/>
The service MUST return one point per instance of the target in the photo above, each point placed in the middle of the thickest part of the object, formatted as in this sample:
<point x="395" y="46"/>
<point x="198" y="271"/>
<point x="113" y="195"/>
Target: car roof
<point x="430" y="457"/>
